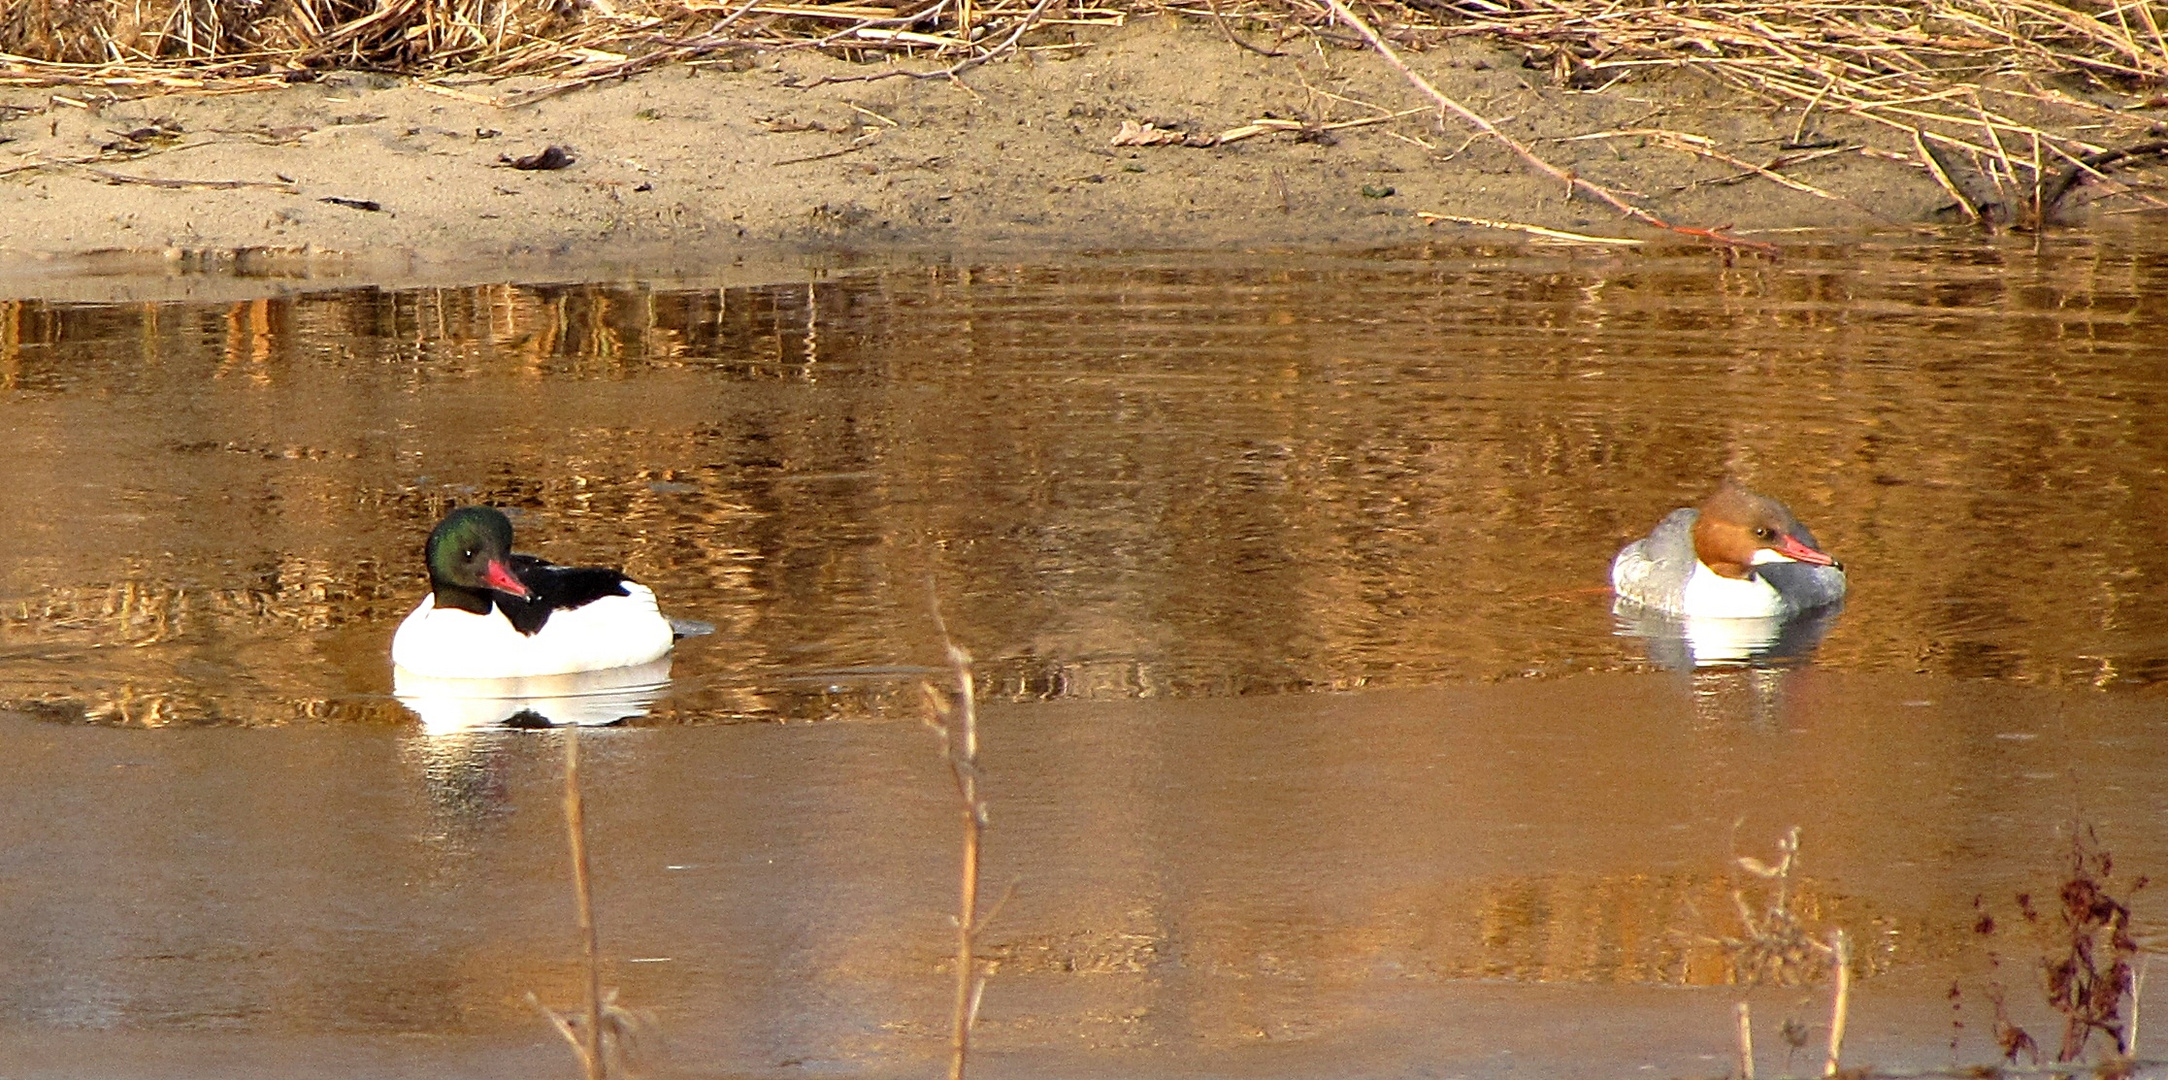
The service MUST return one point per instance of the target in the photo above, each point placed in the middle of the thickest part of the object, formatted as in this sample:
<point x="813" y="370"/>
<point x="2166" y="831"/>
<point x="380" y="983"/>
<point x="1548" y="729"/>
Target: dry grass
<point x="1893" y="61"/>
<point x="241" y="44"/>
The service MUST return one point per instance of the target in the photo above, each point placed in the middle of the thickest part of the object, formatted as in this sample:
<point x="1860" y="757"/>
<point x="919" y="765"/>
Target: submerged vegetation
<point x="2084" y="952"/>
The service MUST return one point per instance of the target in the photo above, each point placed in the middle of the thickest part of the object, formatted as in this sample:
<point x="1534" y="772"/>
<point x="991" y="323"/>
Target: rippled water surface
<point x="1313" y="744"/>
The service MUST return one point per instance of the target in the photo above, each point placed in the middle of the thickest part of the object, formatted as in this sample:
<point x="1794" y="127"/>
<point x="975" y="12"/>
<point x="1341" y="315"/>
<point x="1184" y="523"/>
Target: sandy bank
<point x="712" y="160"/>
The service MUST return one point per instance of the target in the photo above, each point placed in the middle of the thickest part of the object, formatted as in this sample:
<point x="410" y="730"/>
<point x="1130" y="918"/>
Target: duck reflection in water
<point x="1683" y="643"/>
<point x="585" y="698"/>
<point x="1735" y="581"/>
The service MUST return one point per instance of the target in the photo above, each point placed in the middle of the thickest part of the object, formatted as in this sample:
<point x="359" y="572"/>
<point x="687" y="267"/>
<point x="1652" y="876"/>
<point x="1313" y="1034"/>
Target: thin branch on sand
<point x="189" y="185"/>
<point x="1572" y="181"/>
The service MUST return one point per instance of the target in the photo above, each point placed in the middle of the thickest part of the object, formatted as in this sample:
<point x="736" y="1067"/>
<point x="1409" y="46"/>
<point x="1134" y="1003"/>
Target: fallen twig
<point x="196" y="185"/>
<point x="1763" y="171"/>
<point x="456" y="94"/>
<point x="604" y="1017"/>
<point x="856" y="145"/>
<point x="1532" y="230"/>
<point x="1271" y="124"/>
<point x="1703" y="146"/>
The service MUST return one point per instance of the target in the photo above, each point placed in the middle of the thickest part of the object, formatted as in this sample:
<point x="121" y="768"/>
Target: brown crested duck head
<point x="1739" y="529"/>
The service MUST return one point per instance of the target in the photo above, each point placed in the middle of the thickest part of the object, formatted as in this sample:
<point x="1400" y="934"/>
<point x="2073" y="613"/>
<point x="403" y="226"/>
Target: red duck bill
<point x="1791" y="547"/>
<point x="499" y="577"/>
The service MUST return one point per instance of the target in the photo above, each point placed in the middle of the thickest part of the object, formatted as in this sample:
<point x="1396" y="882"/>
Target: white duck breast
<point x="610" y="632"/>
<point x="1711" y="595"/>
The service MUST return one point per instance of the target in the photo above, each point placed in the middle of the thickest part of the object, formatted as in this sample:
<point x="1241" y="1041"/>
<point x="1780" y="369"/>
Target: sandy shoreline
<point x="373" y="171"/>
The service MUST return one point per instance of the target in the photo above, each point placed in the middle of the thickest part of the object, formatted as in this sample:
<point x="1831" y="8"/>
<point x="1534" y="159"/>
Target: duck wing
<point x="1653" y="570"/>
<point x="554" y="588"/>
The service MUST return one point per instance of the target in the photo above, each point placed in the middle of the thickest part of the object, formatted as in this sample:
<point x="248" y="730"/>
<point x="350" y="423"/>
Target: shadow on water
<point x="1172" y="505"/>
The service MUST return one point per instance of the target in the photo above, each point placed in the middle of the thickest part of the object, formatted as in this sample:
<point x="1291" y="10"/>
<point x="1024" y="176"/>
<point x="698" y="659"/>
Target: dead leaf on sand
<point x="370" y="205"/>
<point x="549" y="157"/>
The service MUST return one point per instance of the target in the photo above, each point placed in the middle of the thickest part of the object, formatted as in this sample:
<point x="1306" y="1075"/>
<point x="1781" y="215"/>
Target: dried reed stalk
<point x="583" y="887"/>
<point x="955" y="719"/>
<point x="586" y="1044"/>
<point x="1746" y="1041"/>
<point x="1840" y="997"/>
<point x="1532" y="230"/>
<point x="2137" y="998"/>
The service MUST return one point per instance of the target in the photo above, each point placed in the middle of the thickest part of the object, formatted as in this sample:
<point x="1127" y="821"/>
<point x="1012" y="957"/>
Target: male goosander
<point x="491" y="614"/>
<point x="1741" y="555"/>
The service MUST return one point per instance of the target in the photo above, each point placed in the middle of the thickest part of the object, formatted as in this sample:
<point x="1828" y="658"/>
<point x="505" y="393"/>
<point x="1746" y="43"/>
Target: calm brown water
<point x="1313" y="745"/>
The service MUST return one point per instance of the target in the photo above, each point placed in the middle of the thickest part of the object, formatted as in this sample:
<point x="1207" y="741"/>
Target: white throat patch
<point x="1712" y="595"/>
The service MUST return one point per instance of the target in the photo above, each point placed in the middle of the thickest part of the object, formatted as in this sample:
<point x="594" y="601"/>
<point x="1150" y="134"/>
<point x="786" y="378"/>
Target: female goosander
<point x="491" y="614"/>
<point x="1740" y="556"/>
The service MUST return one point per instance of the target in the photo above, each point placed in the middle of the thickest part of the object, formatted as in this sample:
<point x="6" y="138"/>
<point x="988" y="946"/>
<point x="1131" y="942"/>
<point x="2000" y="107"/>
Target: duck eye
<point x="1763" y="533"/>
<point x="469" y="553"/>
